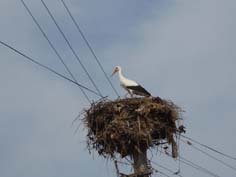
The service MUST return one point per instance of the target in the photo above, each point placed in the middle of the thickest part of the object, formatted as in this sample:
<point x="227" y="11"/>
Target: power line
<point x="70" y="46"/>
<point x="211" y="156"/>
<point x="162" y="173"/>
<point x="208" y="147"/>
<point x="47" y="68"/>
<point x="54" y="49"/>
<point x="89" y="45"/>
<point x="197" y="167"/>
<point x="167" y="169"/>
<point x="194" y="165"/>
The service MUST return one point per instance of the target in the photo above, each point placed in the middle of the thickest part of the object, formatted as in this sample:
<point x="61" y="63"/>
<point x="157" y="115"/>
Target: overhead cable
<point x="167" y="169"/>
<point x="209" y="155"/>
<point x="71" y="48"/>
<point x="193" y="165"/>
<point x="54" y="49"/>
<point x="89" y="45"/>
<point x="208" y="147"/>
<point x="47" y="68"/>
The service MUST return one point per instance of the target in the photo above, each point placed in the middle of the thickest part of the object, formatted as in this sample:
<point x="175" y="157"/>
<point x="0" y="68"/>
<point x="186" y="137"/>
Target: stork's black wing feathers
<point x="139" y="90"/>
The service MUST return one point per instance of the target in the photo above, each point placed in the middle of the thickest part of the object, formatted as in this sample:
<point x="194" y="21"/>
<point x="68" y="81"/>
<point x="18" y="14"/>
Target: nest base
<point x="127" y="125"/>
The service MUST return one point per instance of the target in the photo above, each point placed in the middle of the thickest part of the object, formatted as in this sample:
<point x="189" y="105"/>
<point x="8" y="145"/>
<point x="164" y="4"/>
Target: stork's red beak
<point x="114" y="71"/>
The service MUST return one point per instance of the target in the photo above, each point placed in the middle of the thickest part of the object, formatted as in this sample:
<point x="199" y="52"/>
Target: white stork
<point x="131" y="86"/>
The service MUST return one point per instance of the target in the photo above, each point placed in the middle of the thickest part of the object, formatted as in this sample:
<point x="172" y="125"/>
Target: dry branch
<point x="127" y="125"/>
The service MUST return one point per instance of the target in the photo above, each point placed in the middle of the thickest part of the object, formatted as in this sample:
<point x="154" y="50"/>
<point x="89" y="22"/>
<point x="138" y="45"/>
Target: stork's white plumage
<point x="131" y="86"/>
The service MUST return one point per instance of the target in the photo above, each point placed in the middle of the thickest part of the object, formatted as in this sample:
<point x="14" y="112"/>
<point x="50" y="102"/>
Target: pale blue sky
<point x="183" y="50"/>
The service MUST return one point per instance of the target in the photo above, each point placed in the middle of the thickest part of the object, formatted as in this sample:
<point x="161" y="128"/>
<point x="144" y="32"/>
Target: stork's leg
<point x="130" y="92"/>
<point x="131" y="95"/>
<point x="126" y="94"/>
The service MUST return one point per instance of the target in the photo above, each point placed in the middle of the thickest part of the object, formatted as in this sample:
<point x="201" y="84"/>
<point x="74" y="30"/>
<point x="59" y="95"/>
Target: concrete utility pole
<point x="140" y="165"/>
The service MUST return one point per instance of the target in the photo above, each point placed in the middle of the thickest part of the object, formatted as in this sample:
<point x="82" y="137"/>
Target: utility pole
<point x="140" y="165"/>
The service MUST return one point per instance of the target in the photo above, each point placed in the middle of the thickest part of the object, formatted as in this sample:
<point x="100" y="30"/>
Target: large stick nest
<point x="132" y="124"/>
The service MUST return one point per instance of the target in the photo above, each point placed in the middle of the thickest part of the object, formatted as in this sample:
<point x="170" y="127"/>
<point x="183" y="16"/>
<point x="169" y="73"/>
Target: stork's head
<point x="116" y="69"/>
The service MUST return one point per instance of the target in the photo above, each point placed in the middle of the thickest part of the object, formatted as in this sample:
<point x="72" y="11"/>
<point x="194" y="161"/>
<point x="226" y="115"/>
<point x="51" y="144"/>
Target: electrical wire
<point x="89" y="45"/>
<point x="158" y="171"/>
<point x="163" y="174"/>
<point x="210" y="148"/>
<point x="167" y="169"/>
<point x="211" y="156"/>
<point x="71" y="48"/>
<point x="47" y="68"/>
<point x="193" y="165"/>
<point x="53" y="48"/>
<point x="198" y="167"/>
